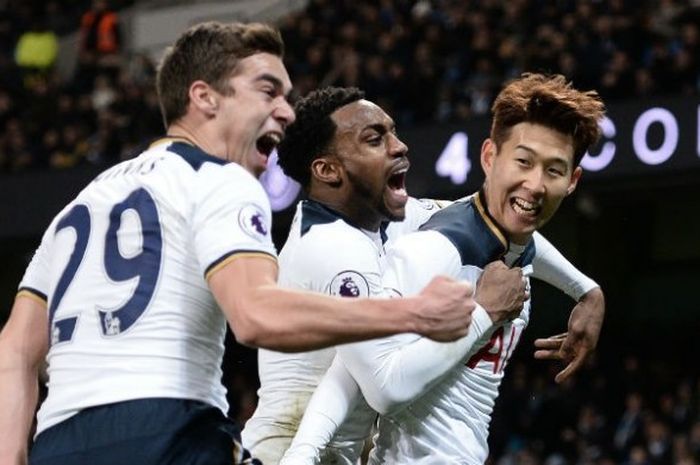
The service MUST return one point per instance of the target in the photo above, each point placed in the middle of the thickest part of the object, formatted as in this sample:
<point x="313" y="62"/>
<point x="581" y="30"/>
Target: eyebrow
<point x="557" y="158"/>
<point x="380" y="128"/>
<point x="275" y="81"/>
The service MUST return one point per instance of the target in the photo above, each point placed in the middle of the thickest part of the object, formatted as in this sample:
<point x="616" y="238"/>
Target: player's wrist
<point x="593" y="296"/>
<point x="408" y="315"/>
<point x="481" y="319"/>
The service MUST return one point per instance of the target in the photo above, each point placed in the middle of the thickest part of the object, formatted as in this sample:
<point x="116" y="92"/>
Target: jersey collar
<point x="483" y="209"/>
<point x="314" y="212"/>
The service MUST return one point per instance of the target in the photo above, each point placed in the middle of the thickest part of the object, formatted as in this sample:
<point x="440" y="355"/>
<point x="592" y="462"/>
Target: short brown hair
<point x="550" y="101"/>
<point x="209" y="52"/>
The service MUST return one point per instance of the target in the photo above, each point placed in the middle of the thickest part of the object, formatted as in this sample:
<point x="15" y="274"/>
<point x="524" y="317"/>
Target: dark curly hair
<point x="310" y="135"/>
<point x="551" y="101"/>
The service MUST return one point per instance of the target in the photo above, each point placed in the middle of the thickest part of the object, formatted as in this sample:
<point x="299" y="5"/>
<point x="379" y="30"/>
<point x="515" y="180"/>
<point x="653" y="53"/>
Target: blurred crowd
<point x="100" y="115"/>
<point x="439" y="60"/>
<point x="617" y="411"/>
<point x="446" y="59"/>
<point x="620" y="409"/>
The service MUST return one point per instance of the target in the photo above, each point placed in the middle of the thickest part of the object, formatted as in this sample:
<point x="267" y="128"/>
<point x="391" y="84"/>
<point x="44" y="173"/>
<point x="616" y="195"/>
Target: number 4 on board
<point x="453" y="162"/>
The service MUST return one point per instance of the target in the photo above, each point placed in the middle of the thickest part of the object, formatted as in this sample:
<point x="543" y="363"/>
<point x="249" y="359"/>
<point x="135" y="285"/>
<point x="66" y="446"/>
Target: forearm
<point x="289" y="320"/>
<point x="264" y="315"/>
<point x="327" y="409"/>
<point x="23" y="347"/>
<point x="553" y="268"/>
<point x="393" y="371"/>
<point x="18" y="398"/>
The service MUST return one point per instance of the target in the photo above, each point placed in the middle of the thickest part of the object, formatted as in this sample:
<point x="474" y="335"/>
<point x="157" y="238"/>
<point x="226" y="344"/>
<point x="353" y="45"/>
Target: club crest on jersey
<point x="112" y="324"/>
<point x="349" y="284"/>
<point x="428" y="204"/>
<point x="253" y="221"/>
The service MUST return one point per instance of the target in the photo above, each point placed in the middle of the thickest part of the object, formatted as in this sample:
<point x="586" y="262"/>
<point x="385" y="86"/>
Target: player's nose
<point x="534" y="182"/>
<point x="284" y="112"/>
<point x="396" y="146"/>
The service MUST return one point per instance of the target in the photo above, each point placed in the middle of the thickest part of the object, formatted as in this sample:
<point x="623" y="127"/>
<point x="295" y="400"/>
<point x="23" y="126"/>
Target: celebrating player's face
<point x="527" y="177"/>
<point x="373" y="157"/>
<point x="256" y="115"/>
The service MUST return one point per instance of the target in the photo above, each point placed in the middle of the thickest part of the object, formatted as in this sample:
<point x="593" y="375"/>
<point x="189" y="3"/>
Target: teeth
<point x="275" y="137"/>
<point x="524" y="206"/>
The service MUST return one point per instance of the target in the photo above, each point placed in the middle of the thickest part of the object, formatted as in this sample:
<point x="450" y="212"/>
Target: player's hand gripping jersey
<point x="123" y="269"/>
<point x="449" y="423"/>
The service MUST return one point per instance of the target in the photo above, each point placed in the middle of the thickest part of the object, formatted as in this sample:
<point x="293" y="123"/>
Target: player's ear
<point x="573" y="182"/>
<point x="327" y="170"/>
<point x="204" y="98"/>
<point x="488" y="152"/>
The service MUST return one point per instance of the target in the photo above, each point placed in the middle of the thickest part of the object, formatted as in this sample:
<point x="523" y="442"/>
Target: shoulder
<point x="417" y="212"/>
<point x="194" y="161"/>
<point x="469" y="230"/>
<point x="336" y="239"/>
<point x="324" y="241"/>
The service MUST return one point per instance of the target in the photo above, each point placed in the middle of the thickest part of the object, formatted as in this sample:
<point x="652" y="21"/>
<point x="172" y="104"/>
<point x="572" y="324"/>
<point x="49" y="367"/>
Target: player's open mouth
<point x="397" y="184"/>
<point x="524" y="207"/>
<point x="267" y="142"/>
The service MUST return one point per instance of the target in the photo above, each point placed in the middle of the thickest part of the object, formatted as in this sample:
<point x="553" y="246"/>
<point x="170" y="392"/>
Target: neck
<point x="523" y="240"/>
<point x="198" y="137"/>
<point x="355" y="212"/>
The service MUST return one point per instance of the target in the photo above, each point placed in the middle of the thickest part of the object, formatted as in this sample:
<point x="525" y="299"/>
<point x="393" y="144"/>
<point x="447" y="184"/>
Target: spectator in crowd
<point x="37" y="49"/>
<point x="100" y="42"/>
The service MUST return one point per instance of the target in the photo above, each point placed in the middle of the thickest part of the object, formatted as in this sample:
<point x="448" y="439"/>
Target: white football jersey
<point x="324" y="253"/>
<point x="396" y="370"/>
<point x="449" y="424"/>
<point x="123" y="270"/>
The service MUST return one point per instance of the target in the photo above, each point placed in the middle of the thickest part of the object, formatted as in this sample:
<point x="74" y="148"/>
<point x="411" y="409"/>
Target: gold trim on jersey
<point x="31" y="295"/>
<point x="488" y="220"/>
<point x="228" y="259"/>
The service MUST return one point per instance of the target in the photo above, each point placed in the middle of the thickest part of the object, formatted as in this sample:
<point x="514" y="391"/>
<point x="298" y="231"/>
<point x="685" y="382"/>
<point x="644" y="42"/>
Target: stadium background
<point x="633" y="225"/>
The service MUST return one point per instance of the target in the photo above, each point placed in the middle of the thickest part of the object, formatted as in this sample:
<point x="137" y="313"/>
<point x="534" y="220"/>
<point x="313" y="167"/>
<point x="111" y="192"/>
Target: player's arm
<point x="23" y="347"/>
<point x="395" y="370"/>
<point x="586" y="319"/>
<point x="264" y="315"/>
<point x="330" y="404"/>
<point x="550" y="266"/>
<point x="573" y="347"/>
<point x="231" y="223"/>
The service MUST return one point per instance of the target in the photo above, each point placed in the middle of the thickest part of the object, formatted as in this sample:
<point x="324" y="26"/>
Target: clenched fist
<point x="502" y="291"/>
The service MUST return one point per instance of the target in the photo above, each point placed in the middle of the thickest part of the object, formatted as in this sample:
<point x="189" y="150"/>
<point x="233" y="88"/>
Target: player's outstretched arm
<point x="23" y="346"/>
<point x="586" y="319"/>
<point x="330" y="404"/>
<point x="574" y="346"/>
<point x="265" y="315"/>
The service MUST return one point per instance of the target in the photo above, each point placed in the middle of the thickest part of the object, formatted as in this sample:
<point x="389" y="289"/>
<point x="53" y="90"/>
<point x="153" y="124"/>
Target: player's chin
<point x="395" y="210"/>
<point x="520" y="232"/>
<point x="260" y="164"/>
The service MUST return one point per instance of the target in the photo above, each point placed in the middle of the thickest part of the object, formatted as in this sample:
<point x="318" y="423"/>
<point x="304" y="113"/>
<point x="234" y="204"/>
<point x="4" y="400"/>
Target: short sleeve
<point x="35" y="282"/>
<point x="231" y="216"/>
